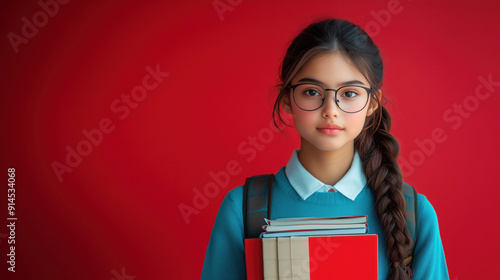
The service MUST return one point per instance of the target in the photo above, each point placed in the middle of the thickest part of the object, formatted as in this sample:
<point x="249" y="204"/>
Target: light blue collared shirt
<point x="305" y="184"/>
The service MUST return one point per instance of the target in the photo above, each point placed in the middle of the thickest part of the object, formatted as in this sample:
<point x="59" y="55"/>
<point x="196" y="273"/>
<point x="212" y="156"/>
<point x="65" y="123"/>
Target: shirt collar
<point x="305" y="184"/>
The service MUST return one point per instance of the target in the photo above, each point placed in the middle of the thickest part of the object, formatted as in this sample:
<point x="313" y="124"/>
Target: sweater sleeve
<point x="225" y="255"/>
<point x="429" y="261"/>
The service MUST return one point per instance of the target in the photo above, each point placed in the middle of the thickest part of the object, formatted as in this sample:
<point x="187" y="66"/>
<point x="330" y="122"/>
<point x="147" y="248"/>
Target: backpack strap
<point x="411" y="216"/>
<point x="257" y="200"/>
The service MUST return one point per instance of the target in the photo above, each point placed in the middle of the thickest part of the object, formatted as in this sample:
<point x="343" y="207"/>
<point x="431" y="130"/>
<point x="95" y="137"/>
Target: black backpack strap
<point x="257" y="199"/>
<point x="411" y="216"/>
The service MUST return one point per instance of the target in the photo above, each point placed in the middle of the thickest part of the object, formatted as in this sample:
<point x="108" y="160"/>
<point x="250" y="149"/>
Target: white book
<point x="318" y="220"/>
<point x="347" y="231"/>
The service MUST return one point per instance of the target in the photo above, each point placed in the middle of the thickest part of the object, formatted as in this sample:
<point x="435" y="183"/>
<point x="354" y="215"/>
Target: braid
<point x="378" y="150"/>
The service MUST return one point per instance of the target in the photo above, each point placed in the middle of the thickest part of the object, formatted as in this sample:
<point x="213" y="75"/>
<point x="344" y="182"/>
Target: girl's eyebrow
<point x="311" y="80"/>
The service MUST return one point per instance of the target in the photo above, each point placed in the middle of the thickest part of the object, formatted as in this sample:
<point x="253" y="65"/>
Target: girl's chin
<point x="330" y="147"/>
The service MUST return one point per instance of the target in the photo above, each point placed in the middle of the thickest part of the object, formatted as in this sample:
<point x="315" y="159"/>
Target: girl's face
<point x="328" y="128"/>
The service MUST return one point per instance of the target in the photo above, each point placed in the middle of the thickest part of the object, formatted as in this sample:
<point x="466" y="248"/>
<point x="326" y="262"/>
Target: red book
<point x="314" y="258"/>
<point x="253" y="259"/>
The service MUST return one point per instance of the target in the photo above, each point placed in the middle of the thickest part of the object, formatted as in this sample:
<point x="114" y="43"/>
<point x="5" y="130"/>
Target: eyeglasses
<point x="350" y="98"/>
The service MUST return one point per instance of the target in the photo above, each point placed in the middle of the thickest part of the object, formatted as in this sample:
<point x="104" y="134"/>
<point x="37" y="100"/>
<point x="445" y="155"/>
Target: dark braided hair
<point x="376" y="146"/>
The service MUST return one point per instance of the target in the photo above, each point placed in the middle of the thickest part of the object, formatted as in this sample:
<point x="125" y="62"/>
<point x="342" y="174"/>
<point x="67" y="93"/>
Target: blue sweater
<point x="225" y="256"/>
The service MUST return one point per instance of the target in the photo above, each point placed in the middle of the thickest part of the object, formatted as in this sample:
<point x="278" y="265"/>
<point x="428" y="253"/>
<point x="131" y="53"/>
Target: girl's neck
<point x="327" y="166"/>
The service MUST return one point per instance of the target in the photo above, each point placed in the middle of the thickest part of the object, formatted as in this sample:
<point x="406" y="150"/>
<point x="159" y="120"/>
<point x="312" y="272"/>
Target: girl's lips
<point x="330" y="129"/>
<point x="330" y="126"/>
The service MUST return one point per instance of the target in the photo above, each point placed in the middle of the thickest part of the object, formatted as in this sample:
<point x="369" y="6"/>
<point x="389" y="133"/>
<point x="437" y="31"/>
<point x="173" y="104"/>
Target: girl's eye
<point x="349" y="94"/>
<point x="311" y="92"/>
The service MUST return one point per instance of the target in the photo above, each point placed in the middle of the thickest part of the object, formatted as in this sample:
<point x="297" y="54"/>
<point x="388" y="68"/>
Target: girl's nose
<point x="330" y="108"/>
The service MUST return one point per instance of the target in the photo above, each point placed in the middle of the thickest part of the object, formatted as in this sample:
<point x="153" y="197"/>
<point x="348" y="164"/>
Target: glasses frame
<point x="368" y="90"/>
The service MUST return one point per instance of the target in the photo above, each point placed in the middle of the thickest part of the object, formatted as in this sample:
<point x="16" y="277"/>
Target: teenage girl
<point x="346" y="165"/>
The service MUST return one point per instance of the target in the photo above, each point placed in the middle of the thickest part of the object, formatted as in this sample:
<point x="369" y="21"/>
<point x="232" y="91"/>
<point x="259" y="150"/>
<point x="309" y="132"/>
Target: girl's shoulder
<point x="422" y="204"/>
<point x="426" y="218"/>
<point x="235" y="194"/>
<point x="425" y="211"/>
<point x="422" y="215"/>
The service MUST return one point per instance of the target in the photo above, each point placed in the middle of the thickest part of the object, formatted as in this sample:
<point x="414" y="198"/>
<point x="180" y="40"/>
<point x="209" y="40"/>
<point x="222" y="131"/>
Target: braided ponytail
<point x="378" y="150"/>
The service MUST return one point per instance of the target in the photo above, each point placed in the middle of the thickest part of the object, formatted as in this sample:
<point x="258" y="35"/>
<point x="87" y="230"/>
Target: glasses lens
<point x="352" y="98"/>
<point x="309" y="96"/>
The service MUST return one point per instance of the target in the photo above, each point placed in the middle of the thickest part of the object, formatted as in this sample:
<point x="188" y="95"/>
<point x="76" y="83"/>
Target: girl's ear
<point x="374" y="103"/>
<point x="285" y="100"/>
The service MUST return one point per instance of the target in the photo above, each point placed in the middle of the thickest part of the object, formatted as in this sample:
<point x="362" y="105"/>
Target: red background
<point x="119" y="207"/>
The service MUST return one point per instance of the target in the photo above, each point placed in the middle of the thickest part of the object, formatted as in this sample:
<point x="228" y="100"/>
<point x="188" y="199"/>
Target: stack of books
<point x="313" y="248"/>
<point x="315" y="226"/>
